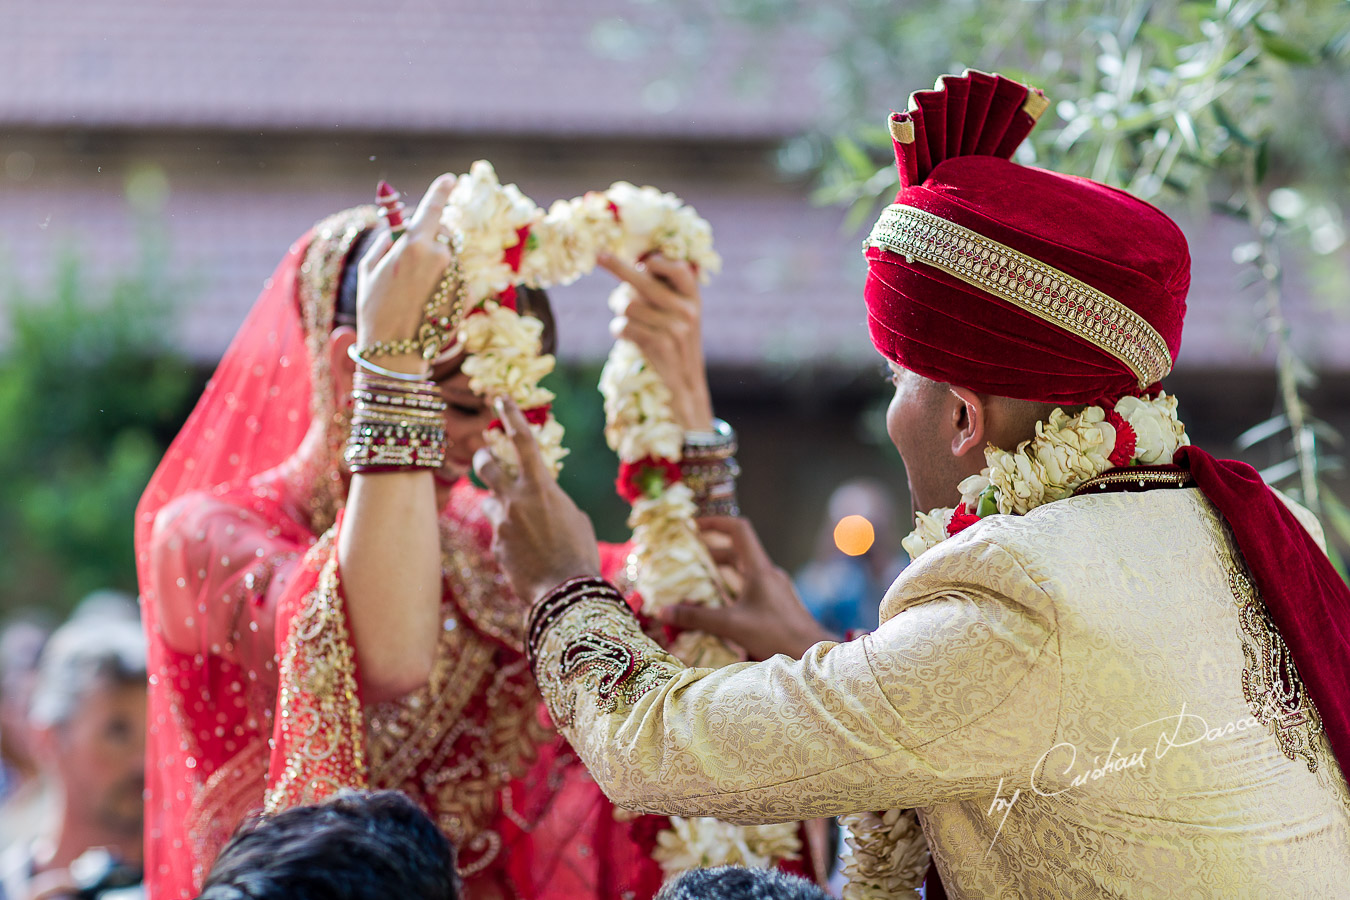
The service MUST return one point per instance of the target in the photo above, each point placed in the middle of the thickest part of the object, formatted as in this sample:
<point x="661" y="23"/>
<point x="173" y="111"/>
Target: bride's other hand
<point x="540" y="537"/>
<point x="661" y="311"/>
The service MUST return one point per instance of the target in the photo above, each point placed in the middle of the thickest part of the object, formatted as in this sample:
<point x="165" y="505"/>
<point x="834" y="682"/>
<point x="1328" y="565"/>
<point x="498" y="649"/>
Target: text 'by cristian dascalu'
<point x="1170" y="737"/>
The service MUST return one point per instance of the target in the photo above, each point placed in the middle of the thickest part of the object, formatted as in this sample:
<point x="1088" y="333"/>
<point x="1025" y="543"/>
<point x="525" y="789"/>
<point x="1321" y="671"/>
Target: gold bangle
<point x="405" y="347"/>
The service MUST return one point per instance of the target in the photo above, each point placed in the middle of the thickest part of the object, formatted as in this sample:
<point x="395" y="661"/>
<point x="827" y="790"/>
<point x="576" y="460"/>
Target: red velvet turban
<point x="1011" y="280"/>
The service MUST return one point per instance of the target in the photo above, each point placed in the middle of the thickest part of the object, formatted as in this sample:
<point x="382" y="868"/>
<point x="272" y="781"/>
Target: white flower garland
<point x="704" y="843"/>
<point x="886" y="855"/>
<point x="1066" y="452"/>
<point x="888" y="852"/>
<point x="670" y="563"/>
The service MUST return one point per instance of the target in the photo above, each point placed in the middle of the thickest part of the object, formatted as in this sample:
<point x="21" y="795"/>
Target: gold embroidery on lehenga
<point x="322" y="727"/>
<point x="457" y="742"/>
<point x="1270" y="682"/>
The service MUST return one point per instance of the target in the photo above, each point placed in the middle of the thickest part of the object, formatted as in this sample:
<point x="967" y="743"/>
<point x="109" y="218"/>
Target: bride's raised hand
<point x="395" y="278"/>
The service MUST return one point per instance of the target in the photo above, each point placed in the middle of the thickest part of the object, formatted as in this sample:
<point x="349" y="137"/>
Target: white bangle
<point x="380" y="370"/>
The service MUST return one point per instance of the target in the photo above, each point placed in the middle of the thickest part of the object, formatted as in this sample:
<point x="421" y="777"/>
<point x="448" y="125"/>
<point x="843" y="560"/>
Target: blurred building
<point x="244" y="122"/>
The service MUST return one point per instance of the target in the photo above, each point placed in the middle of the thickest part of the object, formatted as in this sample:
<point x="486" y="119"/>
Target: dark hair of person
<point x="357" y="845"/>
<point x="739" y="883"/>
<point x="529" y="301"/>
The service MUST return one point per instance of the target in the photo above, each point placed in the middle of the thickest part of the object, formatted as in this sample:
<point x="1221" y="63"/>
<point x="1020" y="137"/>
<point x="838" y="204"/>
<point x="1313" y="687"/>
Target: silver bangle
<point x="369" y="366"/>
<point x="720" y="442"/>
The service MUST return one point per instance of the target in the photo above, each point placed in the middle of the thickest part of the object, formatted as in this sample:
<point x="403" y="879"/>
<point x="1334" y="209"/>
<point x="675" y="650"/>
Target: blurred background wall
<point x="159" y="157"/>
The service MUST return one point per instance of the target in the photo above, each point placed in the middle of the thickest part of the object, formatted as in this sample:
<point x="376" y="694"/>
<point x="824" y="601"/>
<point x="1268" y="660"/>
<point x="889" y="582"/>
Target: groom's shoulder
<point x="1059" y="544"/>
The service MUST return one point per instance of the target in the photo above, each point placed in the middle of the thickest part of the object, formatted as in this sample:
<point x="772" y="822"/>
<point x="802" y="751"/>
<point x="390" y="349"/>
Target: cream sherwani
<point x="1061" y="695"/>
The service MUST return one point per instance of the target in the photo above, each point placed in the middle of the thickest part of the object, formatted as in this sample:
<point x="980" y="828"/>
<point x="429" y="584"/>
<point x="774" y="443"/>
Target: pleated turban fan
<point x="1012" y="280"/>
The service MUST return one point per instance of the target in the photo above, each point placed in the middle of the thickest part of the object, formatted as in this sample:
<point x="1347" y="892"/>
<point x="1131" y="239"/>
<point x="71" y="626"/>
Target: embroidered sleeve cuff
<point x="586" y="644"/>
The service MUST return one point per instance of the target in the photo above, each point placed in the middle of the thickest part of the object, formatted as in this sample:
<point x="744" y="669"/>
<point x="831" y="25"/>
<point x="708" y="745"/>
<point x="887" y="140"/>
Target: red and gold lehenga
<point x="252" y="669"/>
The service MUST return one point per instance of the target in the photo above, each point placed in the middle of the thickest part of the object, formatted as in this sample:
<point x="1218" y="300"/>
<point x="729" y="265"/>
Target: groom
<point x="1120" y="667"/>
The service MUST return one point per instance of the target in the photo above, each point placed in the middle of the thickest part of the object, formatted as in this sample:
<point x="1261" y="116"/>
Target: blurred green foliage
<point x="91" y="392"/>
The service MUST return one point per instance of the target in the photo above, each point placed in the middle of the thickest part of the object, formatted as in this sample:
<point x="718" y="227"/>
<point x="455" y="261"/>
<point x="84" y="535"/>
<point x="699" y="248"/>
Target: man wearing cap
<point x="1118" y="667"/>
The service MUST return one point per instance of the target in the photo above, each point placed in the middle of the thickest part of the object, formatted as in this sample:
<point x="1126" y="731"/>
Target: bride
<point x="286" y="598"/>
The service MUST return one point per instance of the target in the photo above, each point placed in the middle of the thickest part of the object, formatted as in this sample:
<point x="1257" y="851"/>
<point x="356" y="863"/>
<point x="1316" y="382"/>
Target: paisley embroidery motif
<point x="1270" y="683"/>
<point x="615" y="670"/>
<point x="594" y="662"/>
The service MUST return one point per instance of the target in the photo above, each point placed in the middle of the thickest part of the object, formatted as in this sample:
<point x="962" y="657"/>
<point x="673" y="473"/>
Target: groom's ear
<point x="970" y="425"/>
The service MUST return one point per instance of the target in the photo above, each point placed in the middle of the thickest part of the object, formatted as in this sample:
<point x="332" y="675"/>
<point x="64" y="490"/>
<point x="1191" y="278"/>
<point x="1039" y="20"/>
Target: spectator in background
<point x="842" y="589"/>
<point x="355" y="846"/>
<point x="87" y="718"/>
<point x="21" y="644"/>
<point x="739" y="883"/>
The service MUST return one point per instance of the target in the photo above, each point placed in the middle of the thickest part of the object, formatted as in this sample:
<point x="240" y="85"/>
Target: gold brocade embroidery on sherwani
<point x="1270" y="683"/>
<point x="591" y="658"/>
<point x="1092" y="628"/>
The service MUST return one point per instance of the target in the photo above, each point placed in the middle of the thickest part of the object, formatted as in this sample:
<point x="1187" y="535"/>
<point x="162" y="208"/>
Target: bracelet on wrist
<point x="553" y="605"/>
<point x="708" y="467"/>
<point x="369" y="366"/>
<point x="719" y="443"/>
<point x="397" y="425"/>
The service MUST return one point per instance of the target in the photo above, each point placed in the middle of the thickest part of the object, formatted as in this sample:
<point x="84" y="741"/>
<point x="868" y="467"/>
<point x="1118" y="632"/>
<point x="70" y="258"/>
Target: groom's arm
<point x="937" y="704"/>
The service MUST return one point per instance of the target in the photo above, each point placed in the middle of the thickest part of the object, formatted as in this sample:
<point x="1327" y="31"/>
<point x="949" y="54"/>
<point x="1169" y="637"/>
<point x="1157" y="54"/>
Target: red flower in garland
<point x="1126" y="439"/>
<point x="961" y="520"/>
<point x="535" y="415"/>
<point x="647" y="477"/>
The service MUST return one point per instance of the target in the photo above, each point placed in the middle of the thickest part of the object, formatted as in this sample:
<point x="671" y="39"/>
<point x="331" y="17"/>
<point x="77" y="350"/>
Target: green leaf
<point x="1285" y="50"/>
<point x="1262" y="160"/>
<point x="1258" y="433"/>
<point x="1337" y="515"/>
<point x="987" y="504"/>
<point x="1279" y="472"/>
<point x="1221" y="114"/>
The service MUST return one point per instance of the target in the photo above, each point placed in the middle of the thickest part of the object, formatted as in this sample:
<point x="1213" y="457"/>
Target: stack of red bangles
<point x="397" y="425"/>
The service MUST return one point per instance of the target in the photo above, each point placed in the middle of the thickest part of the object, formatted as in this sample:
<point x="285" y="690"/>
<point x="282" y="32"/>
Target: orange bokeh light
<point x="854" y="535"/>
